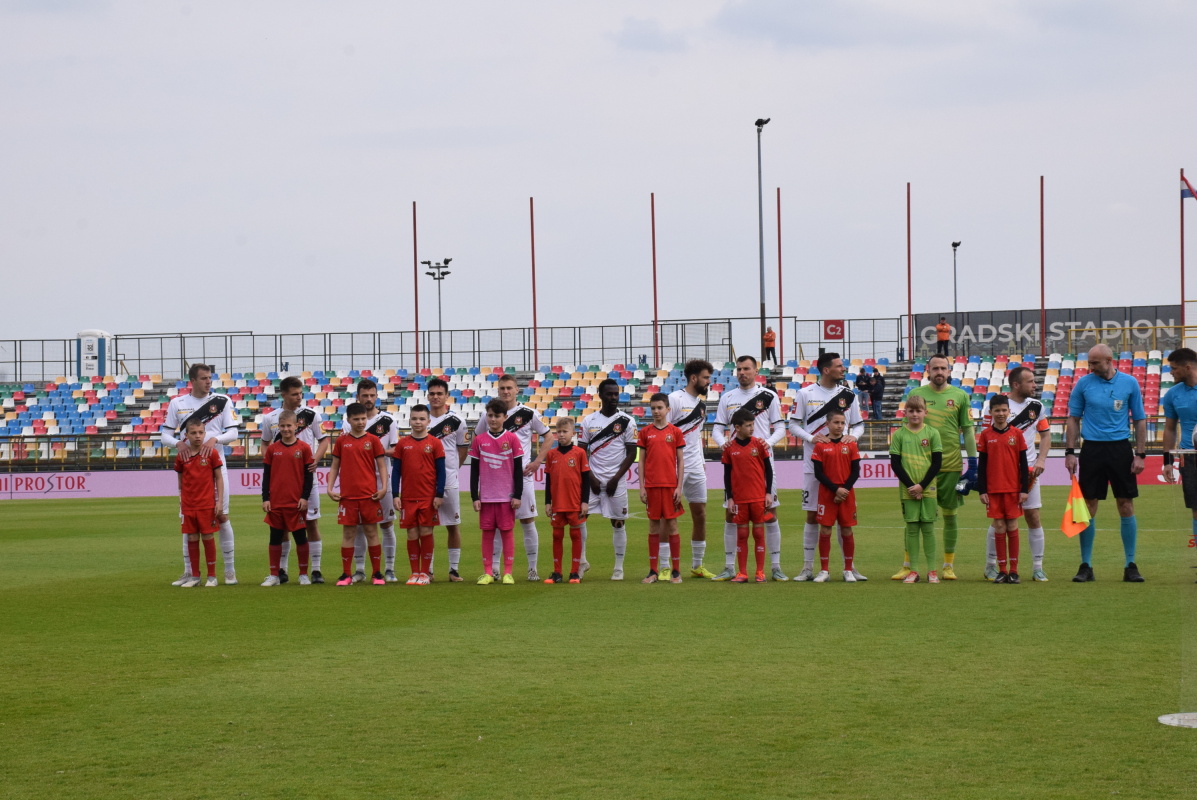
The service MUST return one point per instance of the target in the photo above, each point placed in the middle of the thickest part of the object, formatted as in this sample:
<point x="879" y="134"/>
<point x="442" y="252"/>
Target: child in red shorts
<point x="418" y="485"/>
<point x="360" y="463"/>
<point x="286" y="485"/>
<point x="747" y="476"/>
<point x="567" y="496"/>
<point x="201" y="496"/>
<point x="661" y="470"/>
<point x="1003" y="480"/>
<point x="837" y="468"/>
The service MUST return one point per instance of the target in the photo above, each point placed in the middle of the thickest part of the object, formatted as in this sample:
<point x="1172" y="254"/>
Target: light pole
<point x="760" y="213"/>
<point x="438" y="272"/>
<point x="955" y="307"/>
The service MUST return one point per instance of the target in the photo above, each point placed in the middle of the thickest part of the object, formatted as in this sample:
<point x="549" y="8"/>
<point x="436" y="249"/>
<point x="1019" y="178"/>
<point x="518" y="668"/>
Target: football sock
<point x="389" y="544"/>
<point x="699" y="549"/>
<point x="558" y="547"/>
<point x="375" y="557"/>
<point x="1087" y="536"/>
<point x="951" y="532"/>
<point x="929" y="543"/>
<point x="316" y="550"/>
<point x="730" y="544"/>
<point x="413" y="555"/>
<point x="575" y="546"/>
<point x="1036" y="537"/>
<point x="912" y="543"/>
<point x="654" y="552"/>
<point x="991" y="558"/>
<point x="193" y="550"/>
<point x="284" y="552"/>
<point x="675" y="548"/>
<point x="999" y="541"/>
<point x="359" y="549"/>
<point x="488" y="552"/>
<point x="773" y="542"/>
<point x="949" y="559"/>
<point x="906" y="555"/>
<point x="454" y="558"/>
<point x="583" y="533"/>
<point x="848" y="547"/>
<point x="210" y="555"/>
<point x="742" y="548"/>
<point x="508" y="551"/>
<point x="188" y="560"/>
<point x="531" y="541"/>
<point x="810" y="541"/>
<point x="427" y="546"/>
<point x="758" y="538"/>
<point x="226" y="544"/>
<point x="496" y="552"/>
<point x="276" y="551"/>
<point x="304" y="551"/>
<point x="663" y="554"/>
<point x="619" y="539"/>
<point x="347" y="560"/>
<point x="1012" y="548"/>
<point x="1130" y="536"/>
<point x="824" y="549"/>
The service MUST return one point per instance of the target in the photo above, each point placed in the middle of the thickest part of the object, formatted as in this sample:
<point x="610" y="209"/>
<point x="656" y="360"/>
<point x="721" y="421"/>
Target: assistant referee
<point x="1098" y="410"/>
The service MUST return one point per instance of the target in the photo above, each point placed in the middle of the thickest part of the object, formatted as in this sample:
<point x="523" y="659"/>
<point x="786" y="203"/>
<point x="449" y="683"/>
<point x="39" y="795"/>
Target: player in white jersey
<point x="609" y="438"/>
<point x="220" y="428"/>
<point x="383" y="425"/>
<point x="1029" y="416"/>
<point x="688" y="411"/>
<point x="451" y="430"/>
<point x="808" y="421"/>
<point x="310" y="431"/>
<point x="525" y="423"/>
<point x="769" y="427"/>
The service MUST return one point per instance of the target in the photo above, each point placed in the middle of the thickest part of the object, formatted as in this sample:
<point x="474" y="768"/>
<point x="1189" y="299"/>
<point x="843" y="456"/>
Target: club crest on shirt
<point x="842" y="402"/>
<point x="951" y="402"/>
<point x="759" y="404"/>
<point x="203" y="462"/>
<point x="753" y="452"/>
<point x="669" y="438"/>
<point x="504" y="447"/>
<point x="212" y="409"/>
<point x="618" y="427"/>
<point x="368" y="446"/>
<point x="427" y="448"/>
<point x="1117" y="404"/>
<point x="298" y="454"/>
<point x="571" y="462"/>
<point x="844" y="450"/>
<point x="1010" y="440"/>
<point x="925" y="442"/>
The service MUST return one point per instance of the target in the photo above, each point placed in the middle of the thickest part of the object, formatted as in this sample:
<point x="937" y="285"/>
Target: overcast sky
<point x="196" y="165"/>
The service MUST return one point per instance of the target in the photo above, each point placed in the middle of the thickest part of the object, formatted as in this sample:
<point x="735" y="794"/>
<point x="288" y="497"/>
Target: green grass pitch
<point x="115" y="684"/>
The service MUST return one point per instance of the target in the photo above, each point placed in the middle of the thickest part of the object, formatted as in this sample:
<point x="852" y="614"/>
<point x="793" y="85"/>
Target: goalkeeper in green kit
<point x="948" y="412"/>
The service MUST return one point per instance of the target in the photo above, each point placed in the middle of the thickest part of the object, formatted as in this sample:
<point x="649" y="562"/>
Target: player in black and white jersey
<point x="609" y="438"/>
<point x="808" y="421"/>
<point x="383" y="425"/>
<point x="310" y="431"/>
<point x="1029" y="416"/>
<point x="451" y="429"/>
<point x="525" y="423"/>
<point x="765" y="406"/>
<point x="688" y="411"/>
<point x="220" y="428"/>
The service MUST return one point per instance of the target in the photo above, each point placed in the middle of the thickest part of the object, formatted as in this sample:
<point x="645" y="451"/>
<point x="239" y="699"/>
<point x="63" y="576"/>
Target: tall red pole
<point x="1182" y="260"/>
<point x="781" y="352"/>
<point x="909" y="293"/>
<point x="1042" y="282"/>
<point x="415" y="277"/>
<point x="652" y="207"/>
<point x="535" y="335"/>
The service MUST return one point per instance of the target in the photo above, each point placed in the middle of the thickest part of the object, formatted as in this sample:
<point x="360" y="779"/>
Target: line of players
<point x="608" y="436"/>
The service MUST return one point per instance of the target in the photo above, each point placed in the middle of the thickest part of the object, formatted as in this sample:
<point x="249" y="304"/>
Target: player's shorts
<point x="830" y="512"/>
<point x="661" y="504"/>
<point x="749" y="512"/>
<point x="694" y="485"/>
<point x="924" y="510"/>
<point x="810" y="492"/>
<point x="1034" y="501"/>
<point x="387" y="503"/>
<point x="200" y="521"/>
<point x="416" y="514"/>
<point x="946" y="495"/>
<point x="450" y="510"/>
<point x="527" y="509"/>
<point x="1188" y="481"/>
<point x="1107" y="465"/>
<point x="313" y="503"/>
<point x="1003" y="505"/>
<point x="497" y="516"/>
<point x="359" y="512"/>
<point x="286" y="519"/>
<point x="610" y="506"/>
<point x="565" y="519"/>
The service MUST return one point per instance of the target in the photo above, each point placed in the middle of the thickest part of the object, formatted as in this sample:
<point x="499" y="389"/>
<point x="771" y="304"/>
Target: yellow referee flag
<point x="1076" y="513"/>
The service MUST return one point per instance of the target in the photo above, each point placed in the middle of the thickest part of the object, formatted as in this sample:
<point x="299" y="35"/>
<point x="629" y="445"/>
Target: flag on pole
<point x="1076" y="513"/>
<point x="1186" y="188"/>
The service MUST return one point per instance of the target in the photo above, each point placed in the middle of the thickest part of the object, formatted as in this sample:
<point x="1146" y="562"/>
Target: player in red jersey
<point x="837" y="467"/>
<point x="747" y="476"/>
<point x="662" y="470"/>
<point x="1003" y="481"/>
<point x="418" y="486"/>
<point x="286" y="483"/>
<point x="201" y="500"/>
<point x="567" y="495"/>
<point x="360" y="463"/>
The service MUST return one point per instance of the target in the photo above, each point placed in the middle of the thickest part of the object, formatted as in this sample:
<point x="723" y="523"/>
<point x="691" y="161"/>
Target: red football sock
<point x="849" y="547"/>
<point x="758" y="536"/>
<point x="488" y="551"/>
<point x="276" y="553"/>
<point x="347" y="560"/>
<point x="413" y="555"/>
<point x="575" y="548"/>
<point x="654" y="551"/>
<point x="375" y="557"/>
<point x="302" y="551"/>
<point x="427" y="549"/>
<point x="999" y="539"/>
<point x="193" y="548"/>
<point x="209" y="556"/>
<point x="742" y="548"/>
<point x="824" y="549"/>
<point x="1012" y="548"/>
<point x="675" y="552"/>
<point x="559" y="547"/>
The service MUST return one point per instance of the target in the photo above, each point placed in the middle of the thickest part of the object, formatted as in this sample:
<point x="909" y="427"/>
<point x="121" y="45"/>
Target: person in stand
<point x="943" y="335"/>
<point x="769" y="341"/>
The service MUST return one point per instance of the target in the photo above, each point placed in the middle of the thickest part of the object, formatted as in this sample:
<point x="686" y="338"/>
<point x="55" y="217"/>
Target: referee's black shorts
<point x="1188" y="481"/>
<point x="1107" y="464"/>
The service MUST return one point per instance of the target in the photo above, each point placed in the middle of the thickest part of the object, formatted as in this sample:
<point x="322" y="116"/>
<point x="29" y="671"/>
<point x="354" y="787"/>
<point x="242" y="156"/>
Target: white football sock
<point x="729" y="545"/>
<point x="187" y="559"/>
<point x="773" y="542"/>
<point x="226" y="545"/>
<point x="663" y="565"/>
<point x="282" y="559"/>
<point x="315" y="550"/>
<point x="584" y="532"/>
<point x="810" y="544"/>
<point x="619" y="539"/>
<point x="359" y="550"/>
<point x="388" y="546"/>
<point x="454" y="558"/>
<point x="497" y="561"/>
<point x="697" y="551"/>
<point x="991" y="548"/>
<point x="531" y="541"/>
<point x="1037" y="541"/>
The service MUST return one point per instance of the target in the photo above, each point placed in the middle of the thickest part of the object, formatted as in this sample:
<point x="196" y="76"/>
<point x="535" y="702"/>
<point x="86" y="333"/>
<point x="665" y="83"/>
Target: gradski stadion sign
<point x="977" y="329"/>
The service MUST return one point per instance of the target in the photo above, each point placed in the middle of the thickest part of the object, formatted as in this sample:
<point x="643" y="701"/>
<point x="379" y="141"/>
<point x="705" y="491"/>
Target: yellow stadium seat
<point x="156" y="379"/>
